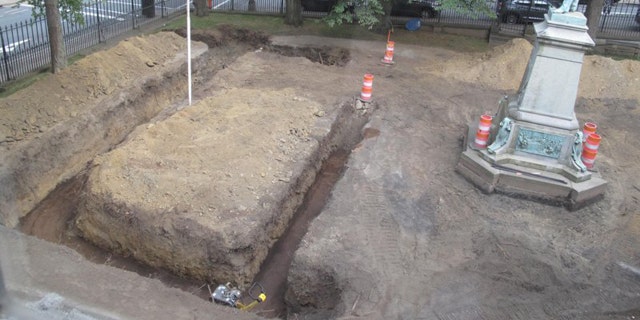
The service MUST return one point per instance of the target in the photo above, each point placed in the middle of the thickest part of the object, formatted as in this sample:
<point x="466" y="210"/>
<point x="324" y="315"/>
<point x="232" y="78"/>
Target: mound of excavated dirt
<point x="207" y="191"/>
<point x="53" y="128"/>
<point x="503" y="67"/>
<point x="83" y="84"/>
<point x="500" y="68"/>
<point x="606" y="78"/>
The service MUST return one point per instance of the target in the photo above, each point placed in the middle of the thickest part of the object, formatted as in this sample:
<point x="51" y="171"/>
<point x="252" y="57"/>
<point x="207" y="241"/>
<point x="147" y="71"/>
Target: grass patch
<point x="426" y="37"/>
<point x="274" y="25"/>
<point x="24" y="82"/>
<point x="14" y="86"/>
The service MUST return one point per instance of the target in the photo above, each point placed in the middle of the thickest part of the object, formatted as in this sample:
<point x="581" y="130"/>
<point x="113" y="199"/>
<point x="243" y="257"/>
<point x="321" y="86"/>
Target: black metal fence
<point x="25" y="45"/>
<point x="616" y="22"/>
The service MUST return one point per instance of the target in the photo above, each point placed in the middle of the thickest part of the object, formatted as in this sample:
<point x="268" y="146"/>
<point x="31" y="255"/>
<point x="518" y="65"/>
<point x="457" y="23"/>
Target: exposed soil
<point x="53" y="220"/>
<point x="401" y="234"/>
<point x="275" y="268"/>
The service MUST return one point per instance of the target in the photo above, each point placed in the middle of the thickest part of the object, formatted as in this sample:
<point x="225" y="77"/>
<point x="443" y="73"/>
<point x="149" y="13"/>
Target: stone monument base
<point x="536" y="151"/>
<point x="521" y="174"/>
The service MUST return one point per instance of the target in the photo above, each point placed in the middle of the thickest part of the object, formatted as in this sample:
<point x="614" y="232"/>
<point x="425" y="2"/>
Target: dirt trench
<point x="53" y="219"/>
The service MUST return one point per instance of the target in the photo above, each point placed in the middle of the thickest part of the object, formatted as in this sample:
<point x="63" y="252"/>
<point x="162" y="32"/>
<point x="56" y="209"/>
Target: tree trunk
<point x="293" y="14"/>
<point x="387" y="6"/>
<point x="202" y="8"/>
<point x="56" y="40"/>
<point x="148" y="8"/>
<point x="593" y="13"/>
<point x="386" y="25"/>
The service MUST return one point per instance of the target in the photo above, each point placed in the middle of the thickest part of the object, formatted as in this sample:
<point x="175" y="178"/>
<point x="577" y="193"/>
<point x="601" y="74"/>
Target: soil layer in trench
<point x="52" y="220"/>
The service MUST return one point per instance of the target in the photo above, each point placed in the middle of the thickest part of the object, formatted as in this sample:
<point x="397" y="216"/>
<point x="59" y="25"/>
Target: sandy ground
<point x="423" y="243"/>
<point x="404" y="236"/>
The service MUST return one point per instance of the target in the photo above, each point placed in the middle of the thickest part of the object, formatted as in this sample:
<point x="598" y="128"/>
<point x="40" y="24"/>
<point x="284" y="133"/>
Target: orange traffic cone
<point x="388" y="55"/>
<point x="482" y="138"/>
<point x="589" y="128"/>
<point x="367" y="87"/>
<point x="482" y="135"/>
<point x="485" y="122"/>
<point x="590" y="150"/>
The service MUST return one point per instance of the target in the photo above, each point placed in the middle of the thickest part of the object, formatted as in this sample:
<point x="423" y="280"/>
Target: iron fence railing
<point x="24" y="46"/>
<point x="616" y="22"/>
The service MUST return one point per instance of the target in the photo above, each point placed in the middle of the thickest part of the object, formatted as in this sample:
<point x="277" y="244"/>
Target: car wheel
<point x="428" y="14"/>
<point x="511" y="18"/>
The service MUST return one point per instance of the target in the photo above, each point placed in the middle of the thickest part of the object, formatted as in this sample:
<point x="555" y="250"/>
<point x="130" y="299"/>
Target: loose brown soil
<point x="402" y="235"/>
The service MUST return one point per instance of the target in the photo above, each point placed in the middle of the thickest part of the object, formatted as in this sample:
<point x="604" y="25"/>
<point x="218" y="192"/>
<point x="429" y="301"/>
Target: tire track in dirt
<point x="381" y="226"/>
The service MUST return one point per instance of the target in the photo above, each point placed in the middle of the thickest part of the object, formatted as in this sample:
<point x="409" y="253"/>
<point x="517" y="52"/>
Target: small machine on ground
<point x="230" y="296"/>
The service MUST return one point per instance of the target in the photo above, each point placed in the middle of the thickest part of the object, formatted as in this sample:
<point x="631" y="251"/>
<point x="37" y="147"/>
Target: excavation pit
<point x="212" y="220"/>
<point x="202" y="195"/>
<point x="401" y="236"/>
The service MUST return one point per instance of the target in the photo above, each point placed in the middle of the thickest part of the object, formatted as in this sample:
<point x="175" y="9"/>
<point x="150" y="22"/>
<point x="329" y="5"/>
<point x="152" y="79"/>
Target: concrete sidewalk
<point x="8" y="3"/>
<point x="36" y="270"/>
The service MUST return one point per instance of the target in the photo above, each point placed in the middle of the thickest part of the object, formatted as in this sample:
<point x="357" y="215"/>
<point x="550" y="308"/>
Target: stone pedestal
<point x="535" y="137"/>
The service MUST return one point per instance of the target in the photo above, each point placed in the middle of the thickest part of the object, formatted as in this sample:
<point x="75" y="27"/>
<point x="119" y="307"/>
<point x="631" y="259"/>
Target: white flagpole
<point x="189" y="46"/>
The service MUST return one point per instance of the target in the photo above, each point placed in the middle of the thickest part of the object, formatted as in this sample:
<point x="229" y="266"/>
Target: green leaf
<point x="70" y="10"/>
<point x="471" y="8"/>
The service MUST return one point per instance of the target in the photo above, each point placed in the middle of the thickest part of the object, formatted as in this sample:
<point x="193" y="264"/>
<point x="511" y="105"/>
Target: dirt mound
<point x="207" y="191"/>
<point x="501" y="68"/>
<point x="606" y="78"/>
<point x="83" y="84"/>
<point x="90" y="106"/>
<point x="181" y="196"/>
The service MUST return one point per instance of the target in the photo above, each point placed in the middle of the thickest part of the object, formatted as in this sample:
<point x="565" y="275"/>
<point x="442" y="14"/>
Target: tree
<point x="293" y="14"/>
<point x="367" y="13"/>
<point x="376" y="14"/>
<point x="593" y="13"/>
<point x="56" y="39"/>
<point x="472" y="8"/>
<point x="55" y="11"/>
<point x="202" y="8"/>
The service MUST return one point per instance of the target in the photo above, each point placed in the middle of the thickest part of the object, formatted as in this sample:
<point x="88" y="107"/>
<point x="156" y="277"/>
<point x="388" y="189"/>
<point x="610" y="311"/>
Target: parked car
<point x="586" y="1"/>
<point x="524" y="11"/>
<point x="401" y="8"/>
<point x="409" y="8"/>
<point x="638" y="16"/>
<point x="318" y="5"/>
